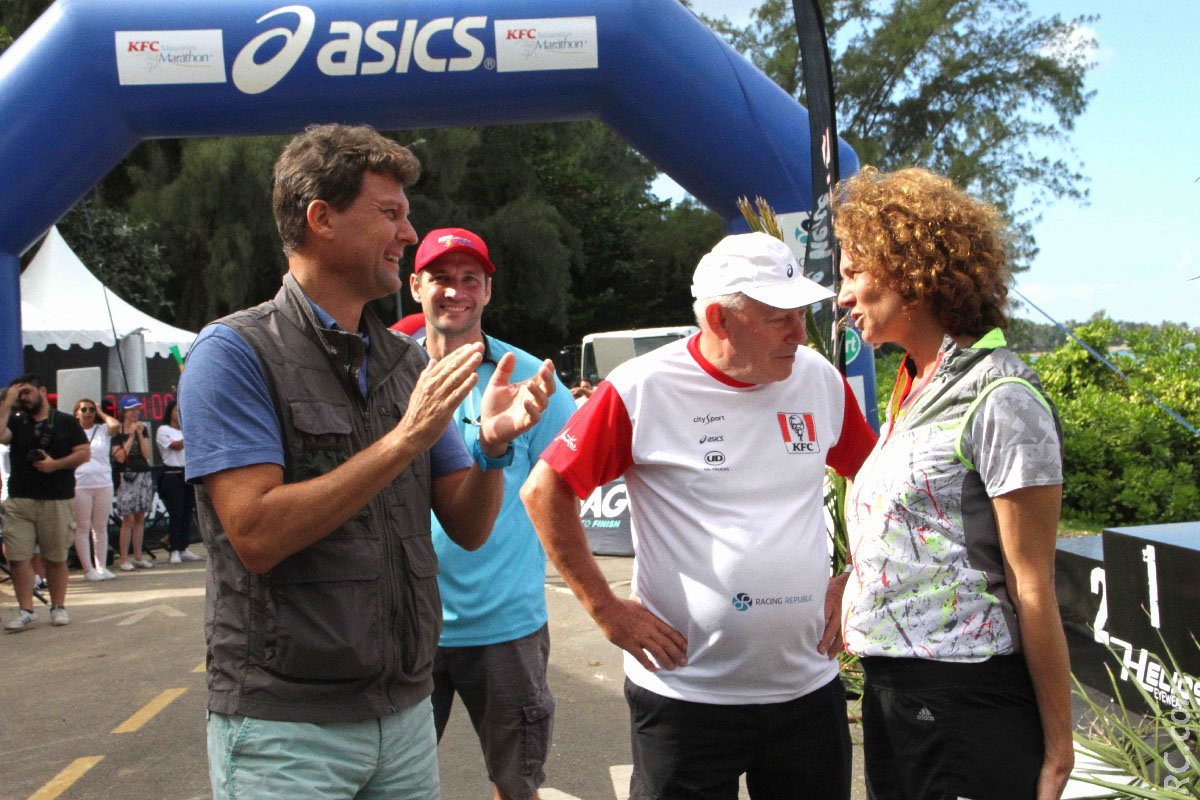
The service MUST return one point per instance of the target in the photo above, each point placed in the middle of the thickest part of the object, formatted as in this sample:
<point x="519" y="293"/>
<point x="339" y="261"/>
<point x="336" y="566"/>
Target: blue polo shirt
<point x="229" y="420"/>
<point x="497" y="593"/>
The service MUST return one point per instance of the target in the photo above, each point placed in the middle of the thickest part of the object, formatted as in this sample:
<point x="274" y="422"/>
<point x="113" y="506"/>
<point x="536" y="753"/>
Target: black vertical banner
<point x="820" y="251"/>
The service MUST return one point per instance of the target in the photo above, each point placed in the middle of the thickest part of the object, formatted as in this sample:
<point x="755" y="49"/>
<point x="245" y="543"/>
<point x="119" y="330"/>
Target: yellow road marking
<point x="199" y="668"/>
<point x="63" y="780"/>
<point x="147" y="712"/>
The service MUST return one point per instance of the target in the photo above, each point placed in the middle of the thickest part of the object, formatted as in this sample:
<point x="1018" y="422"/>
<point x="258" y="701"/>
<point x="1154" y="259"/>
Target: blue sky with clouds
<point x="1132" y="249"/>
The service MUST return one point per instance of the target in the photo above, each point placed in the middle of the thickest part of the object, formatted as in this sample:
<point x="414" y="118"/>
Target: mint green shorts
<point x="391" y="757"/>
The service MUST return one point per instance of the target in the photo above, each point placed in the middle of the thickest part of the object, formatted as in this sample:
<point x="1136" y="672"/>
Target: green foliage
<point x="887" y="363"/>
<point x="1158" y="750"/>
<point x="121" y="252"/>
<point x="580" y="243"/>
<point x="1126" y="461"/>
<point x="972" y="89"/>
<point x="212" y="200"/>
<point x="1027" y="336"/>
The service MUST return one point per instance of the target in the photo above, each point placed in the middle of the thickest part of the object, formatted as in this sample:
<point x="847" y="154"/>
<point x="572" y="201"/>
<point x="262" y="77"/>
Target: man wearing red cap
<point x="495" y="641"/>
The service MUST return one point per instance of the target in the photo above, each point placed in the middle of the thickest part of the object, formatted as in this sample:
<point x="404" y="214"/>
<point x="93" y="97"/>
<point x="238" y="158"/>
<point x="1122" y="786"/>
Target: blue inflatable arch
<point x="92" y="78"/>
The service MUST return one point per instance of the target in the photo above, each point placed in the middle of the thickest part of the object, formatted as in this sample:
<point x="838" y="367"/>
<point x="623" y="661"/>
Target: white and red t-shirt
<point x="724" y="481"/>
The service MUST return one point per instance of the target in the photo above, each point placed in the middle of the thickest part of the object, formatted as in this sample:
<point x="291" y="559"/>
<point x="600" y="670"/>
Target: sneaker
<point x="143" y="563"/>
<point x="175" y="559"/>
<point x="93" y="575"/>
<point x="21" y="622"/>
<point x="126" y="567"/>
<point x="108" y="575"/>
<point x="188" y="555"/>
<point x="58" y="616"/>
<point x="39" y="583"/>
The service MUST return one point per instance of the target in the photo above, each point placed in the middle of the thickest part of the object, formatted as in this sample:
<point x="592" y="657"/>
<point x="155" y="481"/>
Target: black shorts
<point x="697" y="751"/>
<point x="934" y="729"/>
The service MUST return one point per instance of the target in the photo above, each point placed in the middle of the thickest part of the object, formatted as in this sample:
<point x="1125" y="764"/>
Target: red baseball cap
<point x="452" y="240"/>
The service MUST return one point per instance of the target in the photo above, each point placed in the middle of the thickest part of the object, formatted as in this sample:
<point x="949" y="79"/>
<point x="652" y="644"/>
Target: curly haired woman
<point x="953" y="517"/>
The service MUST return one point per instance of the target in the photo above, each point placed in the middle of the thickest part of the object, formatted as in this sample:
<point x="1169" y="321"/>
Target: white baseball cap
<point x="759" y="266"/>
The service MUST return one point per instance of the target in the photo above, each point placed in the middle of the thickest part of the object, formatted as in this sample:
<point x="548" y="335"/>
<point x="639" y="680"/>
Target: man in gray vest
<point x="321" y="442"/>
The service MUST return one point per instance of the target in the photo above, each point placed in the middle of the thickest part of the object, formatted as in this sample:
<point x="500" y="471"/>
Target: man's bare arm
<point x="79" y="455"/>
<point x="554" y="511"/>
<point x="467" y="502"/>
<point x="267" y="520"/>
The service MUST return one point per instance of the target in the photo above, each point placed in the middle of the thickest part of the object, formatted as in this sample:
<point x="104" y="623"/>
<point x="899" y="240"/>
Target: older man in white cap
<point x="732" y="629"/>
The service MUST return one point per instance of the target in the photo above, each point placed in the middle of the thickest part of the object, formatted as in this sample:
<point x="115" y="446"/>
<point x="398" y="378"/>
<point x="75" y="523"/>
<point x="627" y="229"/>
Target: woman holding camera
<point x="94" y="491"/>
<point x="135" y="495"/>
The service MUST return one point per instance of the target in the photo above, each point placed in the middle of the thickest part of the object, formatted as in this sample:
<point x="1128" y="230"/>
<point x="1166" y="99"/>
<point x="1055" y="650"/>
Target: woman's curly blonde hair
<point x="930" y="241"/>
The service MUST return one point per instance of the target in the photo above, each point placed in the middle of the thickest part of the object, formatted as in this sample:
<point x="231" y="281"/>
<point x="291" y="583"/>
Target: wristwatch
<point x="486" y="462"/>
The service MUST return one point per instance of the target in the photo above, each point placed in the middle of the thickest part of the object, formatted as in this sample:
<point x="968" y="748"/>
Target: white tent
<point x="63" y="303"/>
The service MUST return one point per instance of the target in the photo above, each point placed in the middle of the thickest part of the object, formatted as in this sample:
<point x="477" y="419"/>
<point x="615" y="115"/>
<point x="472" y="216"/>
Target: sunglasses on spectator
<point x="86" y="409"/>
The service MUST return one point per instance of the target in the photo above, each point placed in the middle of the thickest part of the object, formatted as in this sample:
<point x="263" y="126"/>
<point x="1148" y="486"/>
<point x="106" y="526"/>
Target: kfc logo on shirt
<point x="799" y="432"/>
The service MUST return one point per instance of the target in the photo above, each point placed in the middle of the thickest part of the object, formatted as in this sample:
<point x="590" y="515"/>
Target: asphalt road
<point x="112" y="705"/>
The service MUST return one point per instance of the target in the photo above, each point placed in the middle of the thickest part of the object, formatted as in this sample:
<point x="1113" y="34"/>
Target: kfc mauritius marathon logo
<point x="360" y="47"/>
<point x="158" y="57"/>
<point x="799" y="432"/>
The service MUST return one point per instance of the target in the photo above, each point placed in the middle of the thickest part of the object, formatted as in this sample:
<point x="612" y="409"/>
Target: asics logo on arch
<point x="386" y="45"/>
<point x="399" y="46"/>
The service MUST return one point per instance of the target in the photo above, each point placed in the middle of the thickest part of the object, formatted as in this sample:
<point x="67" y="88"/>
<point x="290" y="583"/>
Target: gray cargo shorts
<point x="504" y="689"/>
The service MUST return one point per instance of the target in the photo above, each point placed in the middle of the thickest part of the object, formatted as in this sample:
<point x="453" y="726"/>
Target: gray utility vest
<point x="345" y="629"/>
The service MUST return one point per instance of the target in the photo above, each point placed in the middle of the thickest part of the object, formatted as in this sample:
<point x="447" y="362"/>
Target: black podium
<point x="1135" y="590"/>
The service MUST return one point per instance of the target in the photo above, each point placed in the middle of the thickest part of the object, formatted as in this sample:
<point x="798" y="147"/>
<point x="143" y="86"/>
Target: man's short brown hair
<point x="327" y="162"/>
<point x="925" y="238"/>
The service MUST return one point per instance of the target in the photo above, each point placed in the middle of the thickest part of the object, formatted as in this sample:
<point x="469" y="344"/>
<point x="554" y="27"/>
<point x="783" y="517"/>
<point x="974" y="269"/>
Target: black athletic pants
<point x="180" y="499"/>
<point x="935" y="729"/>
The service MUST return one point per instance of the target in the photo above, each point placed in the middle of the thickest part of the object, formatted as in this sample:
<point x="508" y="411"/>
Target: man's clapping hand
<point x="510" y="409"/>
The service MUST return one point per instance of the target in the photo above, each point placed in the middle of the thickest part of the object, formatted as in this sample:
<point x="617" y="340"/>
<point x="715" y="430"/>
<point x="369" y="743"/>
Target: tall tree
<point x="580" y="242"/>
<point x="979" y="90"/>
<point x="120" y="250"/>
<point x="212" y="201"/>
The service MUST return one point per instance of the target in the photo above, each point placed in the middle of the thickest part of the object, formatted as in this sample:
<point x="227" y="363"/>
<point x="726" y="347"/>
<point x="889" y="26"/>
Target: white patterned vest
<point x="928" y="576"/>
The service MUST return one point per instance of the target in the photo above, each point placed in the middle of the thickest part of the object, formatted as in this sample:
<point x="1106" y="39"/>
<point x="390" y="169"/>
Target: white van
<point x="603" y="352"/>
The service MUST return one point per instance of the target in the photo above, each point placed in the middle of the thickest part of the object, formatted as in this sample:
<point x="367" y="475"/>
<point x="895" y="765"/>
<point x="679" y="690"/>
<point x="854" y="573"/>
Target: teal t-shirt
<point x="497" y="593"/>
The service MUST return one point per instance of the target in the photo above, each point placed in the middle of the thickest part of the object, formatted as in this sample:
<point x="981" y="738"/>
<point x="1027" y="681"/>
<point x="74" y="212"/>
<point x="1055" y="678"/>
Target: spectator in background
<point x="581" y="392"/>
<point x="94" y="491"/>
<point x="47" y="446"/>
<point x="135" y="495"/>
<point x="177" y="495"/>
